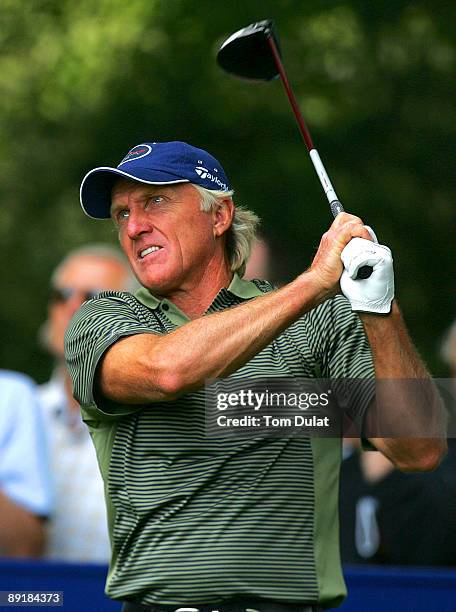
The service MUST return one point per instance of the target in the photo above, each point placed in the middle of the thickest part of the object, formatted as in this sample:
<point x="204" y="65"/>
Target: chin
<point x="160" y="283"/>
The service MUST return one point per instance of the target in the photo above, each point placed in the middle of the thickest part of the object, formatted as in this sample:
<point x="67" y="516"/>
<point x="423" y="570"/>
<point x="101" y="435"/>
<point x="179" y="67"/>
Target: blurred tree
<point x="82" y="82"/>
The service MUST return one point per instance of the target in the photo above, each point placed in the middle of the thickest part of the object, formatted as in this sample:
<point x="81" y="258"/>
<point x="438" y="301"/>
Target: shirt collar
<point x="243" y="288"/>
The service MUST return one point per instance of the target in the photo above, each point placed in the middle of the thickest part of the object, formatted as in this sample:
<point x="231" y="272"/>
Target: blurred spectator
<point x="258" y="265"/>
<point x="262" y="265"/>
<point x="387" y="516"/>
<point x="448" y="355"/>
<point x="78" y="530"/>
<point x="448" y="348"/>
<point x="25" y="492"/>
<point x="390" y="517"/>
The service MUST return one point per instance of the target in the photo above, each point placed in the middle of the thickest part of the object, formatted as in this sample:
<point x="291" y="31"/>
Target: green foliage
<point x="81" y="82"/>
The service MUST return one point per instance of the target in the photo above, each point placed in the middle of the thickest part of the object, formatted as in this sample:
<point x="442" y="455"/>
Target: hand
<point x="373" y="294"/>
<point x="327" y="264"/>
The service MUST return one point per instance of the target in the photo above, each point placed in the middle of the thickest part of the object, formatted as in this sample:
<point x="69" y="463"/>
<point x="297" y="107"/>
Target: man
<point x="224" y="524"/>
<point x="25" y="486"/>
<point x="78" y="530"/>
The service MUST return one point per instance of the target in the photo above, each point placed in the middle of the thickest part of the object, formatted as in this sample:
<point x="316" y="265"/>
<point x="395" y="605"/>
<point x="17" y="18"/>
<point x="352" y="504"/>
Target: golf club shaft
<point x="336" y="206"/>
<point x="334" y="203"/>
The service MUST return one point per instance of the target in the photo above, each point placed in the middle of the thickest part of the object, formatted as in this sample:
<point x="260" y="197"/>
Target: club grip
<point x="364" y="271"/>
<point x="336" y="208"/>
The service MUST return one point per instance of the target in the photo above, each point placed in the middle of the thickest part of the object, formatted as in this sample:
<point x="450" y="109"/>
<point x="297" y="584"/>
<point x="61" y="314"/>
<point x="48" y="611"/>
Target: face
<point x="170" y="242"/>
<point x="82" y="277"/>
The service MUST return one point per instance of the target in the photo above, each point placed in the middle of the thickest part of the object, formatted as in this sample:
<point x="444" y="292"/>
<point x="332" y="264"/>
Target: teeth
<point x="149" y="250"/>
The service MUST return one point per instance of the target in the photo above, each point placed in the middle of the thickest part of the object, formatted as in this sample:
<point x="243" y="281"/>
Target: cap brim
<point x="96" y="187"/>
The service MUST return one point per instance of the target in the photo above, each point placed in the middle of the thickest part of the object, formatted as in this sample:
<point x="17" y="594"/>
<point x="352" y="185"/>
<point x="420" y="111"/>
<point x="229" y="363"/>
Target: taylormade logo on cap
<point x="152" y="163"/>
<point x="205" y="174"/>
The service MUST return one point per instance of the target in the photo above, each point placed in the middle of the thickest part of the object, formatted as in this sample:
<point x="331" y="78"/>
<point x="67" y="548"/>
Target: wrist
<point x="373" y="319"/>
<point x="312" y="288"/>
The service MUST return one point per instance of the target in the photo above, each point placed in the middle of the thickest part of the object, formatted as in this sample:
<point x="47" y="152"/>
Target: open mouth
<point x="149" y="250"/>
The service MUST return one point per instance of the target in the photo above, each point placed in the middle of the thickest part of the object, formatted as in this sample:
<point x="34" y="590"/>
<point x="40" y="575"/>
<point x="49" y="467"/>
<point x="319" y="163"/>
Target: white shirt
<point x="24" y="466"/>
<point x="78" y="527"/>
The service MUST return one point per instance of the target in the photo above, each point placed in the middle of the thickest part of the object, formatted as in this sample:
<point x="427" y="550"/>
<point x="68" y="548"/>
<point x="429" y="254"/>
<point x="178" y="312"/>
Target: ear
<point x="223" y="216"/>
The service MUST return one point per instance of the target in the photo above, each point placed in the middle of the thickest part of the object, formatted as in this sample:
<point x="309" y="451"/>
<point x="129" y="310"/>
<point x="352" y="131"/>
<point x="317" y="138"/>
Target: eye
<point x="156" y="199"/>
<point x="121" y="215"/>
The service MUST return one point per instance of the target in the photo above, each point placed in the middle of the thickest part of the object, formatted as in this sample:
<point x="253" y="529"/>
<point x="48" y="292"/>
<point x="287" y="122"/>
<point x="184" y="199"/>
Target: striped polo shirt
<point x="196" y="519"/>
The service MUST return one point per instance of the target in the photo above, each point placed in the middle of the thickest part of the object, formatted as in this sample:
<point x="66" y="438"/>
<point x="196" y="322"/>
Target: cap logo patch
<point x="136" y="153"/>
<point x="202" y="172"/>
<point x="205" y="174"/>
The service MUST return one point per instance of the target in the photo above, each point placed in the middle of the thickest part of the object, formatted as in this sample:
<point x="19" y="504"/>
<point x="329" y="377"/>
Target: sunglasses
<point x="63" y="294"/>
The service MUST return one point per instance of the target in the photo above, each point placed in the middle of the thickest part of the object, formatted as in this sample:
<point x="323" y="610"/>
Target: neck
<point x="194" y="299"/>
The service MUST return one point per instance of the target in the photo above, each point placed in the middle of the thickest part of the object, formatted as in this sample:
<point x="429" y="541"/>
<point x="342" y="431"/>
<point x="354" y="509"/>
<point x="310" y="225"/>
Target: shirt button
<point x="165" y="306"/>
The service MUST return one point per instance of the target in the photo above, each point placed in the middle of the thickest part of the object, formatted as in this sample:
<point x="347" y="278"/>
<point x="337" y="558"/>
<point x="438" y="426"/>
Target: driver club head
<point x="247" y="54"/>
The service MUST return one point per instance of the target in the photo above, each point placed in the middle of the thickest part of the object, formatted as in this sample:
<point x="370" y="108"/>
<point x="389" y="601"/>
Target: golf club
<point x="253" y="53"/>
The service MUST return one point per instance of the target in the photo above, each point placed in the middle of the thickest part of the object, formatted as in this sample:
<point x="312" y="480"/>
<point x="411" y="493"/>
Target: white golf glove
<point x="373" y="294"/>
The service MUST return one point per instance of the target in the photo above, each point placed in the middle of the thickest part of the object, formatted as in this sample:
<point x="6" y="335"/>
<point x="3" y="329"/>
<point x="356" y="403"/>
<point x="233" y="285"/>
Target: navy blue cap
<point x="153" y="163"/>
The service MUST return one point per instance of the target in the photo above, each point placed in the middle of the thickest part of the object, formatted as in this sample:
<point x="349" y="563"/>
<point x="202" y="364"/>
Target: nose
<point x="138" y="223"/>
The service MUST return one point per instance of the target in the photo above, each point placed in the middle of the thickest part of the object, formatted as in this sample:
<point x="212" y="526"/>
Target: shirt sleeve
<point x="340" y="347"/>
<point x="96" y="326"/>
<point x="24" y="462"/>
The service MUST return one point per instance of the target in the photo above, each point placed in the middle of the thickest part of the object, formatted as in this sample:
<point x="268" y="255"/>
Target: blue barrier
<point x="370" y="589"/>
<point x="387" y="589"/>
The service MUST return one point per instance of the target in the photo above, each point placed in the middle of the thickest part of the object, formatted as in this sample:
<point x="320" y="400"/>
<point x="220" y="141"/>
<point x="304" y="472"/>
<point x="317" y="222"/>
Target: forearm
<point x="209" y="347"/>
<point x="409" y="410"/>
<point x="21" y="532"/>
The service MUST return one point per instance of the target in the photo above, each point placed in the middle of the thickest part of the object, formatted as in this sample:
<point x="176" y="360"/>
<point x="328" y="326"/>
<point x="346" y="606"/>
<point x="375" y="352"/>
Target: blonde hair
<point x="242" y="232"/>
